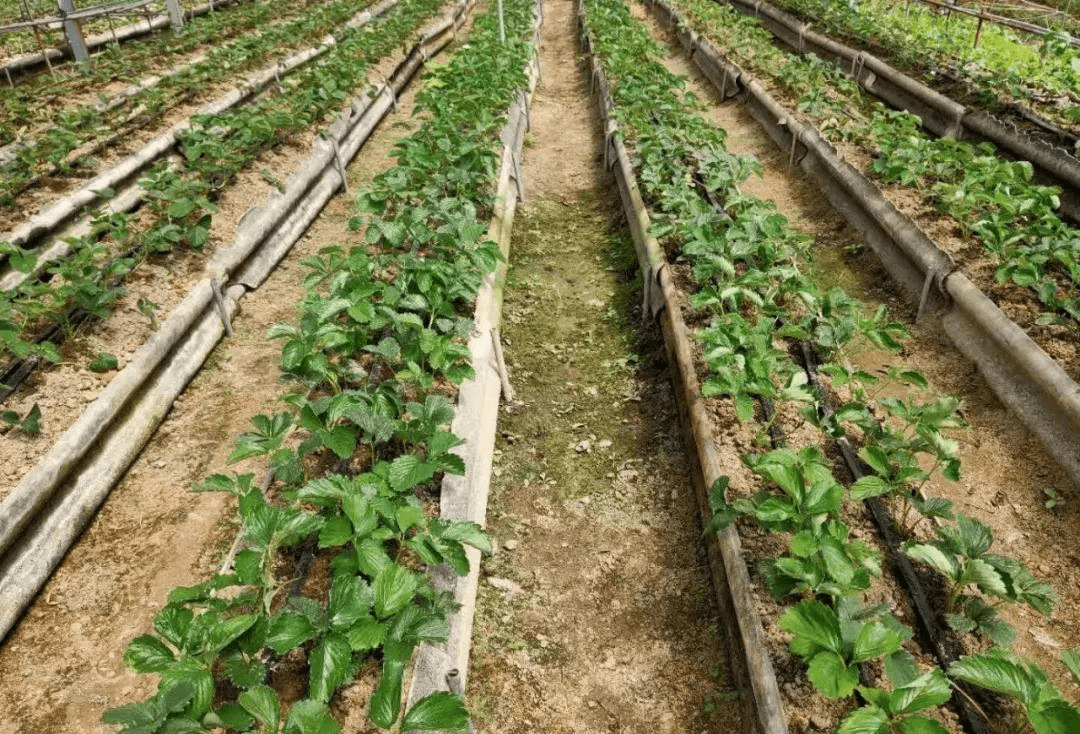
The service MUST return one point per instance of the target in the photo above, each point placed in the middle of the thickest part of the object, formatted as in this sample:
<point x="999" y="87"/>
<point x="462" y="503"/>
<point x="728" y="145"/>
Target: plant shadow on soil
<point x="596" y="612"/>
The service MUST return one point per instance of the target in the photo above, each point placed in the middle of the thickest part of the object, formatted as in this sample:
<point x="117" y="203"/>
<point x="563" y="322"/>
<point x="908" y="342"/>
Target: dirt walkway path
<point x="596" y="612"/>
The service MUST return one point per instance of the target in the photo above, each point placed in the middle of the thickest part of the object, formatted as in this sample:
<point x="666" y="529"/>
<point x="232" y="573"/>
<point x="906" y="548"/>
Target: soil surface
<point x="596" y="610"/>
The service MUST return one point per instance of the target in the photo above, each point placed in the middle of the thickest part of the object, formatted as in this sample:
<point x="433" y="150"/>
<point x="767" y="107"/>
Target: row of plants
<point x="180" y="195"/>
<point x="157" y="53"/>
<point x="993" y="201"/>
<point x="755" y="305"/>
<point x="359" y="447"/>
<point x="1003" y="67"/>
<point x="72" y="128"/>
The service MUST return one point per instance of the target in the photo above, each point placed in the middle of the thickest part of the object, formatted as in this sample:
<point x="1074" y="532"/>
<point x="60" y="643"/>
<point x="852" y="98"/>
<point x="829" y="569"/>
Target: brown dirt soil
<point x="596" y="613"/>
<point x="60" y="668"/>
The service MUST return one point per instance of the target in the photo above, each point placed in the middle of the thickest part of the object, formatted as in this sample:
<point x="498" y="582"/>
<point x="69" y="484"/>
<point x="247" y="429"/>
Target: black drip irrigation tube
<point x="44" y="515"/>
<point x="27" y="64"/>
<point x="445" y="666"/>
<point x="1023" y="376"/>
<point x="751" y="665"/>
<point x="941" y="115"/>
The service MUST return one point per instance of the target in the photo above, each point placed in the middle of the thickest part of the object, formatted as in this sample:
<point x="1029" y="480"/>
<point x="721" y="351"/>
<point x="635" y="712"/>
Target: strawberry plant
<point x="899" y="711"/>
<point x="994" y="201"/>
<point x="835" y="641"/>
<point x="1042" y="705"/>
<point x="960" y="554"/>
<point x="823" y="560"/>
<point x="354" y="457"/>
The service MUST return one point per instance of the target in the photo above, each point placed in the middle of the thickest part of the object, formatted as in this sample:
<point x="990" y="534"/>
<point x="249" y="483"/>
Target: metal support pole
<point x="73" y="32"/>
<point x="176" y="13"/>
<point x="502" y="25"/>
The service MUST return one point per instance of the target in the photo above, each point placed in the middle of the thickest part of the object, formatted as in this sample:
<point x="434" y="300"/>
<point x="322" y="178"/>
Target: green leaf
<point x="875" y="640"/>
<point x="921" y="725"/>
<point x="985" y="576"/>
<point x="152" y="712"/>
<point x="440" y="711"/>
<point x="288" y="631"/>
<point x="363" y="516"/>
<point x="865" y="720"/>
<point x="385" y="704"/>
<point x="31" y="424"/>
<point x="371" y="557"/>
<point x="233" y="716"/>
<point x="201" y="680"/>
<point x="337" y="530"/>
<point x="408" y="471"/>
<point x="147" y="654"/>
<point x="243" y="671"/>
<point x="901" y="668"/>
<point x="831" y="675"/>
<point x="330" y="663"/>
<point x="367" y="634"/>
<point x="815" y="627"/>
<point x="394" y="589"/>
<point x="173" y="623"/>
<point x="869" y="486"/>
<point x="876" y="459"/>
<point x="928" y="690"/>
<point x="998" y="673"/>
<point x="469" y="533"/>
<point x="248" y="565"/>
<point x="1071" y="658"/>
<point x="786" y="477"/>
<point x="409" y="516"/>
<point x="931" y="556"/>
<point x="341" y="440"/>
<point x="228" y="630"/>
<point x="350" y="600"/>
<point x="103" y="362"/>
<point x="1054" y="717"/>
<point x="837" y="563"/>
<point x="181" y="208"/>
<point x="262" y="703"/>
<point x="311" y="717"/>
